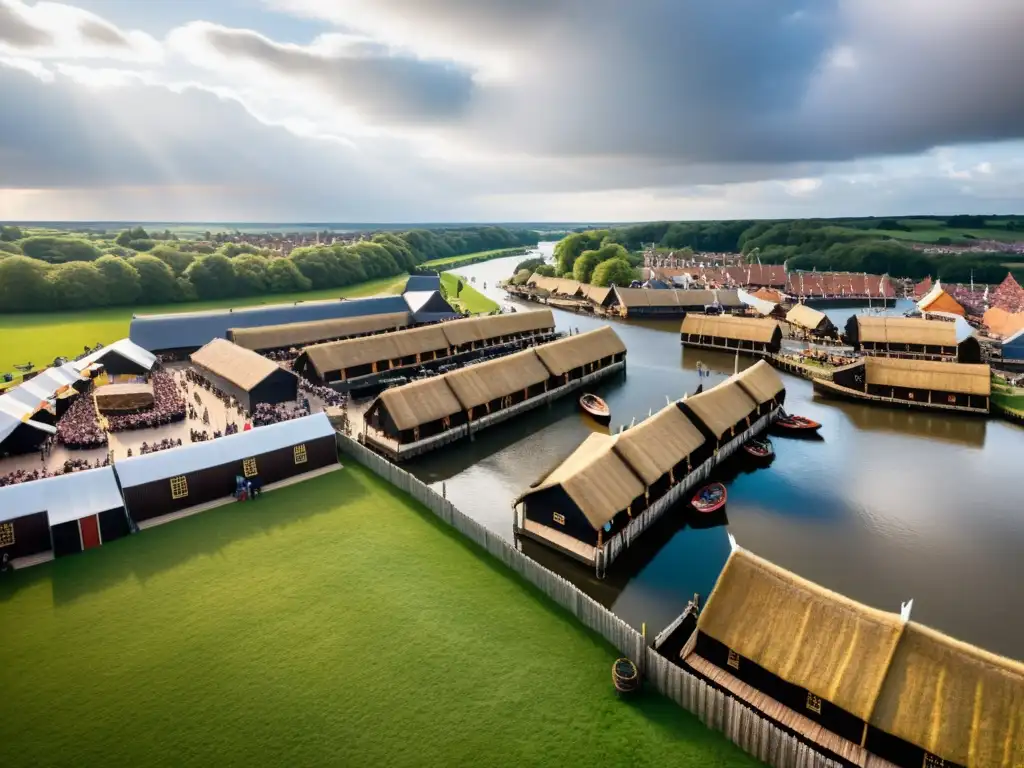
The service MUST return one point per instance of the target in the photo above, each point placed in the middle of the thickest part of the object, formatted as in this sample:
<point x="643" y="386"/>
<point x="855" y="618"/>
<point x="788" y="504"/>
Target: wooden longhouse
<point x="810" y="321"/>
<point x="912" y="338"/>
<point x="611" y="489"/>
<point x="244" y="375"/>
<point x="913" y="383"/>
<point x="298" y="335"/>
<point x="731" y="333"/>
<point x="670" y="302"/>
<point x="861" y="686"/>
<point x="556" y="286"/>
<point x="353" y="359"/>
<point x="423" y="415"/>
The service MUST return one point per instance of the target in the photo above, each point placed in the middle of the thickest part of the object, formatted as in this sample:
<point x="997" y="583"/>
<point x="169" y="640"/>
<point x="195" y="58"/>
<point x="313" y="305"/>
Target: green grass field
<point x="470" y="299"/>
<point x="334" y="622"/>
<point x="40" y="337"/>
<point x="454" y="261"/>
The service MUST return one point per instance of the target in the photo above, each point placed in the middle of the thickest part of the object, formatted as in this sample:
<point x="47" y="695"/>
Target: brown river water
<point x="889" y="505"/>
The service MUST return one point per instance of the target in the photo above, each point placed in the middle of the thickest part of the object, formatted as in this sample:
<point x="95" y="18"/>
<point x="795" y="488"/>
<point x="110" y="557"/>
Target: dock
<point x="828" y="387"/>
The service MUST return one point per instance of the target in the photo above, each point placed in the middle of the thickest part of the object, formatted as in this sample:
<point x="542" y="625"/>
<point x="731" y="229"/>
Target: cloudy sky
<point x="508" y="110"/>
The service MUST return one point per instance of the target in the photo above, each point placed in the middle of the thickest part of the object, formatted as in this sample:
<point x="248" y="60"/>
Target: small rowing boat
<point x="596" y="408"/>
<point x="710" y="498"/>
<point x="759" y="449"/>
<point x="797" y="424"/>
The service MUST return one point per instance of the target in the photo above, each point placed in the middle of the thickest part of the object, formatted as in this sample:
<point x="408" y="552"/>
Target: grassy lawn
<point x="470" y="299"/>
<point x="40" y="337"/>
<point x="335" y="622"/>
<point x="454" y="261"/>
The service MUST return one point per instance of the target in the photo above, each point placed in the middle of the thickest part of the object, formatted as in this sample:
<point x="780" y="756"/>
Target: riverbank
<point x="339" y="615"/>
<point x="474" y="258"/>
<point x="41" y="337"/>
<point x="469" y="299"/>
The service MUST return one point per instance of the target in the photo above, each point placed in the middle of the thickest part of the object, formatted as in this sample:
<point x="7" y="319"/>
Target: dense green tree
<point x="235" y="249"/>
<point x="522" y="276"/>
<point x="184" y="290"/>
<point x="213" y="276"/>
<point x="398" y="249"/>
<point x="569" y="249"/>
<point x="531" y="264"/>
<point x="547" y="270"/>
<point x="8" y="247"/>
<point x="77" y="285"/>
<point x="614" y="272"/>
<point x="317" y="264"/>
<point x="123" y="285"/>
<point x="377" y="261"/>
<point x="23" y="285"/>
<point x="119" y="250"/>
<point x="9" y="233"/>
<point x="283" y="276"/>
<point x="59" y="250"/>
<point x="173" y="258"/>
<point x="250" y="274"/>
<point x="157" y="279"/>
<point x="143" y="245"/>
<point x="584" y="266"/>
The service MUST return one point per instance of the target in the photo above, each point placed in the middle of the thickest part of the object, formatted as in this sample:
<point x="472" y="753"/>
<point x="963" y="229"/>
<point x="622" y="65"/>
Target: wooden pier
<point x="829" y="387"/>
<point x="398" y="453"/>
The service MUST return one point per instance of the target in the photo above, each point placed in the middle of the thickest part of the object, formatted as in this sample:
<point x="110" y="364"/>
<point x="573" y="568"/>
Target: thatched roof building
<point x="642" y="302"/>
<point x="417" y="403"/>
<point x="241" y="373"/>
<point x="918" y="383"/>
<point x="488" y="330"/>
<point x="764" y="386"/>
<point x="556" y="285"/>
<point x="730" y="332"/>
<point x="854" y="681"/>
<point x="911" y="337"/>
<point x="289" y="335"/>
<point x="809" y="319"/>
<point x="723" y="410"/>
<point x="483" y="388"/>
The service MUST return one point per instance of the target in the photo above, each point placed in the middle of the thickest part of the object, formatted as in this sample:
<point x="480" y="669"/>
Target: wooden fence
<point x="740" y="724"/>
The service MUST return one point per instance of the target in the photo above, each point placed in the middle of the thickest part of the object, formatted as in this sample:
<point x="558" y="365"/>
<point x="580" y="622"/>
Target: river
<point x="890" y="505"/>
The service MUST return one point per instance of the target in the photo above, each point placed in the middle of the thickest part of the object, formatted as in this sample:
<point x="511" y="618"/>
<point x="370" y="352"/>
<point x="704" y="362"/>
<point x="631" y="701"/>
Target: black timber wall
<point x="31" y="535"/>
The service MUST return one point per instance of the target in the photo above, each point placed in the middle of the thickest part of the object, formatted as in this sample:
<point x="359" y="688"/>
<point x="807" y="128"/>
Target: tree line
<point x="803" y="244"/>
<point x="44" y="273"/>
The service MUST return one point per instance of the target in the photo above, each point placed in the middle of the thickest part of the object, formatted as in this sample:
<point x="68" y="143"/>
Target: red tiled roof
<point x="838" y="284"/>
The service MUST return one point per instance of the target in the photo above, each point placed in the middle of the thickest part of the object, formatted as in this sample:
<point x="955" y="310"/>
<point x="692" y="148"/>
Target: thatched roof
<point x="906" y="330"/>
<point x="653" y="297"/>
<point x="339" y="355"/>
<point x="471" y="329"/>
<point x="558" y="285"/>
<point x="597" y="480"/>
<point x="756" y="329"/>
<point x="657" y="444"/>
<point x="420" y="402"/>
<point x="238" y="365"/>
<point x="760" y="381"/>
<point x="596" y="293"/>
<point x="722" y="406"/>
<point x="922" y="374"/>
<point x="575" y="351"/>
<point x="480" y="383"/>
<point x="301" y="334"/>
<point x="806" y="317"/>
<point x="807" y="635"/>
<point x="958" y="702"/>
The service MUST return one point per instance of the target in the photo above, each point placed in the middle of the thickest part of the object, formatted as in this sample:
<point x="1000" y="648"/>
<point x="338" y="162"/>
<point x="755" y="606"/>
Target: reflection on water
<point x="887" y="505"/>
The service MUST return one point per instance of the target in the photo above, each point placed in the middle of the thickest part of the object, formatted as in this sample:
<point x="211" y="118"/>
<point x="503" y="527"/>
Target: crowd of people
<point x="265" y="414"/>
<point x="161" y="445"/>
<point x="168" y="407"/>
<point x="79" y="427"/>
<point x="326" y="395"/>
<point x="69" y="466"/>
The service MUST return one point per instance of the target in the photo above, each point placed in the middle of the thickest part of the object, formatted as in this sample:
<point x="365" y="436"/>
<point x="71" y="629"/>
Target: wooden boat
<point x="710" y="498"/>
<point x="759" y="449"/>
<point x="596" y="407"/>
<point x="797" y="424"/>
<point x="625" y="676"/>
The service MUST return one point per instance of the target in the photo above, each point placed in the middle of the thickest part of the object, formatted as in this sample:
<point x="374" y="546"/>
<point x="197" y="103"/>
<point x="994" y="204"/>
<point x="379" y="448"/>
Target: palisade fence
<point x="743" y="726"/>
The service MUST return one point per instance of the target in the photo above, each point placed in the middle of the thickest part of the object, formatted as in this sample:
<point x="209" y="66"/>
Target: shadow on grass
<point x="153" y="551"/>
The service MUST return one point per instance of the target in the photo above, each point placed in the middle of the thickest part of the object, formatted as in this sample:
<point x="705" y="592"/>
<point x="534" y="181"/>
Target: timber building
<point x="731" y="333"/>
<point x="165" y="482"/>
<point x="611" y="488"/>
<point x="244" y="375"/>
<point x="422" y="409"/>
<point x="859" y="685"/>
<point x="810" y="321"/>
<point x="913" y="383"/>
<point x="297" y="335"/>
<point x="912" y="338"/>
<point x="671" y="302"/>
<point x="61" y="515"/>
<point x="344" y="361"/>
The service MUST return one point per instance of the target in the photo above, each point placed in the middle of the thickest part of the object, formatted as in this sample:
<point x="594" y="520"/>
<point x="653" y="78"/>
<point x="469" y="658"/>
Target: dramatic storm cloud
<point x="403" y="109"/>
